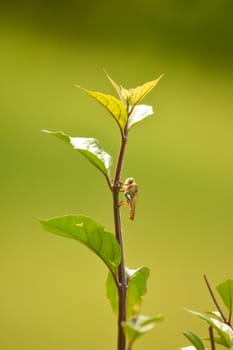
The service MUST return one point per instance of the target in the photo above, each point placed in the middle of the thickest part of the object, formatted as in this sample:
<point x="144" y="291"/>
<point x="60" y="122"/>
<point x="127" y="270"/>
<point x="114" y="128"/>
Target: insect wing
<point x="129" y="198"/>
<point x="130" y="189"/>
<point x="133" y="206"/>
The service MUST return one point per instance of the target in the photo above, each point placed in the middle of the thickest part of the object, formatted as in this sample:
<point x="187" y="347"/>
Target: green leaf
<point x="138" y="325"/>
<point x="90" y="148"/>
<point x="136" y="288"/>
<point x="138" y="93"/>
<point x="111" y="292"/>
<point x="220" y="341"/>
<point x="122" y="92"/>
<point x="225" y="290"/>
<point x="195" y="340"/>
<point x="224" y="331"/>
<point x="90" y="233"/>
<point x="214" y="314"/>
<point x="139" y="113"/>
<point x="114" y="106"/>
<point x="132" y="97"/>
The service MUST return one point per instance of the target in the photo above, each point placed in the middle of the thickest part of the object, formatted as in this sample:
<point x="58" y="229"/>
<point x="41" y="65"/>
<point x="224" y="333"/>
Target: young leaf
<point x="214" y="314"/>
<point x="139" y="113"/>
<point x="225" y="290"/>
<point x="111" y="292"/>
<point x="195" y="340"/>
<point x="224" y="331"/>
<point x="137" y="94"/>
<point x="122" y="92"/>
<point x="90" y="233"/>
<point x="220" y="341"/>
<point x="132" y="97"/>
<point x="114" y="106"/>
<point x="90" y="148"/>
<point x="139" y="325"/>
<point x="136" y="288"/>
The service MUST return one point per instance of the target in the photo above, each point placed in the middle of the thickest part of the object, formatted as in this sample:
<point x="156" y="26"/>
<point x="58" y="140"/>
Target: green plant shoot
<point x="125" y="287"/>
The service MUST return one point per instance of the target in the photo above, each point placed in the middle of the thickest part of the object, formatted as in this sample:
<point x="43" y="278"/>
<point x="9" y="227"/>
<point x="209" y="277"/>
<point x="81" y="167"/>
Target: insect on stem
<point x="130" y="189"/>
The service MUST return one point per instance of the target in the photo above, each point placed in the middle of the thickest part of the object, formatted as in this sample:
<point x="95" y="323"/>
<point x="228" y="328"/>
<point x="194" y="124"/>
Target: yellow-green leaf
<point x="137" y="287"/>
<point x="137" y="94"/>
<point x="114" y="106"/>
<point x="138" y="325"/>
<point x="122" y="92"/>
<point x="133" y="96"/>
<point x="225" y="290"/>
<point x="111" y="292"/>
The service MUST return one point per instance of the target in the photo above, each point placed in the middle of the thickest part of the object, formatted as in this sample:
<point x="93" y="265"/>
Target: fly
<point x="130" y="189"/>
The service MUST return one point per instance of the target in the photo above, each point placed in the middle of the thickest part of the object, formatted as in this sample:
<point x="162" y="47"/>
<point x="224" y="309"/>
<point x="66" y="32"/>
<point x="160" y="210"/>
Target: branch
<point x="215" y="300"/>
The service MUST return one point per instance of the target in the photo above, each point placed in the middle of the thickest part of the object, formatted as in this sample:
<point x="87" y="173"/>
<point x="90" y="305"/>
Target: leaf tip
<point x="41" y="222"/>
<point x="160" y="77"/>
<point x="105" y="71"/>
<point x="45" y="131"/>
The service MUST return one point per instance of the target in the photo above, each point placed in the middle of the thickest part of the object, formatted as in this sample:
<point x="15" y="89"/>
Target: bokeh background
<point x="52" y="293"/>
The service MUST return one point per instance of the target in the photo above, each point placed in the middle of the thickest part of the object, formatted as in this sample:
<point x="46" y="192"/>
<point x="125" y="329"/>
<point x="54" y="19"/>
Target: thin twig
<point x="215" y="300"/>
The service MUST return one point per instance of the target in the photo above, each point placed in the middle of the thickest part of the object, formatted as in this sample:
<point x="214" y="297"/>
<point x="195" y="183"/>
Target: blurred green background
<point x="52" y="293"/>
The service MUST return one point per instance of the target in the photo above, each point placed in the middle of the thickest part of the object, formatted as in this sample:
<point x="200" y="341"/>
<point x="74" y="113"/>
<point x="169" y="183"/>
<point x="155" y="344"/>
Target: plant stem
<point x="215" y="300"/>
<point x="122" y="279"/>
<point x="211" y="334"/>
